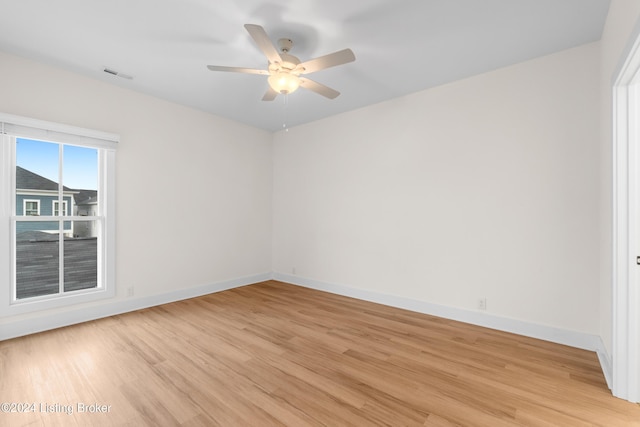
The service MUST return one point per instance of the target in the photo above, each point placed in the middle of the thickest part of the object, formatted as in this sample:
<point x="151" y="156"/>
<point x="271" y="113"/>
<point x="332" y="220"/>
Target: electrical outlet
<point x="130" y="291"/>
<point x="293" y="271"/>
<point x="482" y="303"/>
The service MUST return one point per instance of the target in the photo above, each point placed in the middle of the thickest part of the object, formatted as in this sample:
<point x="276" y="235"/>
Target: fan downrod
<point x="285" y="45"/>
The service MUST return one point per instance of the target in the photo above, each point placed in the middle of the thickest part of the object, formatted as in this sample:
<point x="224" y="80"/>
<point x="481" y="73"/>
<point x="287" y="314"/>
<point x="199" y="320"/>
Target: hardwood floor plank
<point x="274" y="354"/>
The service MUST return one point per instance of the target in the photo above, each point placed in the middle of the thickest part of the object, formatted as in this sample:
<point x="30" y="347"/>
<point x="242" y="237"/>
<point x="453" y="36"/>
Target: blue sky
<point x="80" y="169"/>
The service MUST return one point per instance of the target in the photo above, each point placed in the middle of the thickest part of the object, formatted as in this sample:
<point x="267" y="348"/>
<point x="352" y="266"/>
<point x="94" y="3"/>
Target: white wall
<point x="623" y="15"/>
<point x="193" y="190"/>
<point x="487" y="187"/>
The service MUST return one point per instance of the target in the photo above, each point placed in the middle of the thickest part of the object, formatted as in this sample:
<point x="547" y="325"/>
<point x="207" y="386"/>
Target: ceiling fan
<point x="285" y="70"/>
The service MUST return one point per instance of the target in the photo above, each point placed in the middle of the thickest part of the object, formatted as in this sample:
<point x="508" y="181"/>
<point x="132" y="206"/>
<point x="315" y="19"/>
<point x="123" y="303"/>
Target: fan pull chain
<point x="284" y="113"/>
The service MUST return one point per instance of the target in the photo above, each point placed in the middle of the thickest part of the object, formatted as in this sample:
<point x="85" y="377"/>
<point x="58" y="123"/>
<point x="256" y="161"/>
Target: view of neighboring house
<point x="38" y="196"/>
<point x="86" y="204"/>
<point x="37" y="248"/>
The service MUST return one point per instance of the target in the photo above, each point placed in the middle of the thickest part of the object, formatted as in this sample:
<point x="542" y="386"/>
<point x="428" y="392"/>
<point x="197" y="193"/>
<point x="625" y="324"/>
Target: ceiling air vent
<point x="116" y="73"/>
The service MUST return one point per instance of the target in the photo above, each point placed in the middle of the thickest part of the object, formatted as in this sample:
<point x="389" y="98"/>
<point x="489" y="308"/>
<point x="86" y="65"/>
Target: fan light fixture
<point x="284" y="82"/>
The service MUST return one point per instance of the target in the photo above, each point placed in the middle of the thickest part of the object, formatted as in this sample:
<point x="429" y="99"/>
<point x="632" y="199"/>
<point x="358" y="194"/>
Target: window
<point x="58" y="200"/>
<point x="56" y="208"/>
<point x="31" y="207"/>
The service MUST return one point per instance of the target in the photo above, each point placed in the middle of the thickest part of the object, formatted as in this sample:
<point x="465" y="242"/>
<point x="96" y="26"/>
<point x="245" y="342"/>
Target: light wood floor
<point x="278" y="354"/>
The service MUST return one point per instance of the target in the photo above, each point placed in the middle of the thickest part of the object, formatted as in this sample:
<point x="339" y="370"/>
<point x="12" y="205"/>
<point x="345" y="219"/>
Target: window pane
<point x="37" y="259"/>
<point x="81" y="179"/>
<point x="31" y="207"/>
<point x="56" y="208"/>
<point x="81" y="257"/>
<point x="36" y="177"/>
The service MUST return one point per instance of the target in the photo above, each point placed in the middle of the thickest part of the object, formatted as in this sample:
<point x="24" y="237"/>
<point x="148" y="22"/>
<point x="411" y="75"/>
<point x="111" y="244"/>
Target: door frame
<point x="626" y="225"/>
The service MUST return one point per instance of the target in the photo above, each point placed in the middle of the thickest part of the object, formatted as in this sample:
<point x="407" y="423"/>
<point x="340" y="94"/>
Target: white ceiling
<point x="401" y="46"/>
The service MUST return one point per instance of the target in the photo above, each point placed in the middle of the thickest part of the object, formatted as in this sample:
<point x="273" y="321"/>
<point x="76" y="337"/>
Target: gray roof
<point x="86" y="197"/>
<point x="27" y="180"/>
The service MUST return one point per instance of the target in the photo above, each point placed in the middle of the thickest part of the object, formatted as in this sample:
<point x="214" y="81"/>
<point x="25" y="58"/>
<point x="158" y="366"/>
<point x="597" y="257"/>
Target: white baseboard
<point x="605" y="364"/>
<point x="73" y="316"/>
<point x="492" y="321"/>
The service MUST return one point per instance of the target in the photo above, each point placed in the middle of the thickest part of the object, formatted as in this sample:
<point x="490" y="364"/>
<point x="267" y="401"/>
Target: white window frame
<point x="65" y="211"/>
<point x="24" y="206"/>
<point x="12" y="127"/>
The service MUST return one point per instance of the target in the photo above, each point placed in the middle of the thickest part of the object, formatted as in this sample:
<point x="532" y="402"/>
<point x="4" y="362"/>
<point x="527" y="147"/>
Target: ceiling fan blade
<point x="270" y="95"/>
<point x="238" y="70"/>
<point x="261" y="38"/>
<point x="318" y="88"/>
<point x="331" y="60"/>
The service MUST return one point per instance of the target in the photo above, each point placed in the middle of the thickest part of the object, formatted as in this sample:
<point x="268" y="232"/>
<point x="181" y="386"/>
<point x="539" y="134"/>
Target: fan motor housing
<point x="289" y="61"/>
